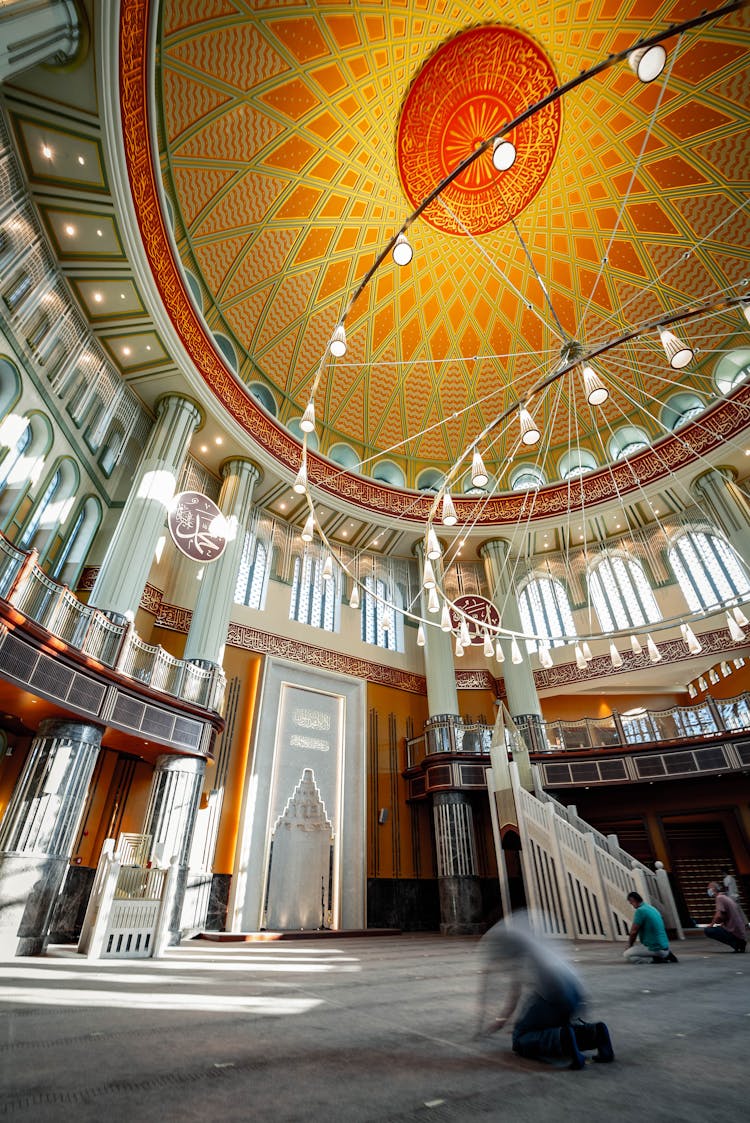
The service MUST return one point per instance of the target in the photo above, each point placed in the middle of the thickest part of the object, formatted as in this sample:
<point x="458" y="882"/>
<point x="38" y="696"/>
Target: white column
<point x="728" y="506"/>
<point x="208" y="627"/>
<point x="124" y="572"/>
<point x="439" y="666"/>
<point x="36" y="31"/>
<point x="518" y="677"/>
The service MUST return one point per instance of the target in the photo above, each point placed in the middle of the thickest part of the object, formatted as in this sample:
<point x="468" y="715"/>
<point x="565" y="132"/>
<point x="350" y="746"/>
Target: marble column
<point x="170" y="819"/>
<point x="127" y="563"/>
<point x="39" y="829"/>
<point x="37" y="31"/>
<point x="458" y="883"/>
<point x="520" y="688"/>
<point x="718" y="494"/>
<point x="210" y="620"/>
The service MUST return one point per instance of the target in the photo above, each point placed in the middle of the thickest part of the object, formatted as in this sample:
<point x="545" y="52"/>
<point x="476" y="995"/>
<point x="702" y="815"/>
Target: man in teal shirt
<point x="648" y="927"/>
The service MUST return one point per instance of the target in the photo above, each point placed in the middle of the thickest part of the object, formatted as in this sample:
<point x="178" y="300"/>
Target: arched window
<point x="314" y="600"/>
<point x="681" y="408"/>
<point x="252" y="576"/>
<point x="429" y="480"/>
<point x="111" y="449"/>
<point x="527" y="477"/>
<point x="10" y="386"/>
<point x="621" y="594"/>
<point x="732" y="369"/>
<point x="344" y="455"/>
<point x="386" y="472"/>
<point x="545" y="610"/>
<point x="707" y="568"/>
<point x="14" y="451"/>
<point x="51" y="509"/>
<point x="576" y="462"/>
<point x="382" y="622"/>
<point x="72" y="557"/>
<point x="627" y="441"/>
<point x="263" y="395"/>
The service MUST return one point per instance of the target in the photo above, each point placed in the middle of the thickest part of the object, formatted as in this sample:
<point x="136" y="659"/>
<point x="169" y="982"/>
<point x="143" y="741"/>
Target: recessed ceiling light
<point x="282" y="506"/>
<point x="148" y="346"/>
<point x="122" y="296"/>
<point x="81" y="160"/>
<point x="204" y="448"/>
<point x="100" y="233"/>
<point x="344" y="532"/>
<point x="98" y="298"/>
<point x="126" y="350"/>
<point x="47" y="152"/>
<point x="70" y="230"/>
<point x="220" y="440"/>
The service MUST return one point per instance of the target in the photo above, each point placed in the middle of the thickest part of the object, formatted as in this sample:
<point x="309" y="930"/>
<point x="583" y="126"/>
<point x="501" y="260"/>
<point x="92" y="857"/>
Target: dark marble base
<point x="218" y="902"/>
<point x="69" y="913"/>
<point x="29" y="887"/>
<point x="411" y="904"/>
<point x="461" y="912"/>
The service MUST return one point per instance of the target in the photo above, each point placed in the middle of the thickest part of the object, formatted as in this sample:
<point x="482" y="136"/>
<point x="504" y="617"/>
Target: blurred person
<point x="729" y="881"/>
<point x="727" y="925"/>
<point x="648" y="928"/>
<point x="546" y="1028"/>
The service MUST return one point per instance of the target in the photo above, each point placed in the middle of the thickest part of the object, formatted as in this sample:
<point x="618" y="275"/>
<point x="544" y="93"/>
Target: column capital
<point x="242" y="465"/>
<point x="181" y="401"/>
<point x="490" y="547"/>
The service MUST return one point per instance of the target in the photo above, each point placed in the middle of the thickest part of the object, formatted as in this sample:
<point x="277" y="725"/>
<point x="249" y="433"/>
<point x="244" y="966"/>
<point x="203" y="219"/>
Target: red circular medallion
<point x="464" y="94"/>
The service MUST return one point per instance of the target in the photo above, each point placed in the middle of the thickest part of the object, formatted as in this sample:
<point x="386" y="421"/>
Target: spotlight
<point x="433" y="600"/>
<point x="489" y="650"/>
<point x="308" y="530"/>
<point x="459" y="647"/>
<point x="740" y="617"/>
<point x="402" y="250"/>
<point x="530" y="434"/>
<point x="615" y="656"/>
<point x="428" y="575"/>
<point x="635" y="643"/>
<point x="653" y="651"/>
<point x="445" y="619"/>
<point x="337" y="345"/>
<point x="300" y="483"/>
<point x="678" y="353"/>
<point x="648" y="62"/>
<point x="735" y="630"/>
<point x="307" y="424"/>
<point x="691" y="640"/>
<point x="545" y="658"/>
<point x="433" y="546"/>
<point x="479" y="475"/>
<point x="420" y="636"/>
<point x="354" y="598"/>
<point x="515" y="652"/>
<point x="464" y="633"/>
<point x="503" y="154"/>
<point x="580" y="658"/>
<point x="499" y="653"/>
<point x="587" y="652"/>
<point x="327" y="573"/>
<point x="596" y="392"/>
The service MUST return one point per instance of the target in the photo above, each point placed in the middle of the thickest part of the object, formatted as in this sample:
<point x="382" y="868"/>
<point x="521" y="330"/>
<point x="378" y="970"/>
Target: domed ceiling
<point x="297" y="139"/>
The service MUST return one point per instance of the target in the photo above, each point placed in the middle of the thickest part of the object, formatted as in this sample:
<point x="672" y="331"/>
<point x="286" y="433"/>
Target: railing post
<point x="161" y="931"/>
<point x="23" y="575"/>
<point x="618" y="728"/>
<point x="715" y="713"/>
<point x="667" y="898"/>
<point x="124" y="651"/>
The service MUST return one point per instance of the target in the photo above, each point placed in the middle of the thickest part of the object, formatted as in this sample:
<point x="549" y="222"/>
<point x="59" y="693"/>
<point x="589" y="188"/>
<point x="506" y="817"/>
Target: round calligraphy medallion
<point x="197" y="526"/>
<point x="481" y="614"/>
<point x="465" y="93"/>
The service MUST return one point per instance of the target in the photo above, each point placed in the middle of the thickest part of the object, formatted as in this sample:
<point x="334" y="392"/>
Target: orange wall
<point x="568" y="707"/>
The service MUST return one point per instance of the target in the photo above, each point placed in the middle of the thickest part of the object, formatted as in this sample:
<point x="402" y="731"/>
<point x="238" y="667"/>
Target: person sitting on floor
<point x="547" y="1028"/>
<point x="648" y="928"/>
<point x="727" y="925"/>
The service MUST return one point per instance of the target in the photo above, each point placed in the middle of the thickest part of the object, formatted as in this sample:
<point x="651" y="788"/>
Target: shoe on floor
<point x="605" y="1052"/>
<point x="672" y="958"/>
<point x="570" y="1049"/>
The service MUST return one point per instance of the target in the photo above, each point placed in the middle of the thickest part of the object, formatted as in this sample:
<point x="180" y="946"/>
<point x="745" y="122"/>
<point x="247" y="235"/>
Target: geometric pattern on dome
<point x="464" y="93"/>
<point x="278" y="133"/>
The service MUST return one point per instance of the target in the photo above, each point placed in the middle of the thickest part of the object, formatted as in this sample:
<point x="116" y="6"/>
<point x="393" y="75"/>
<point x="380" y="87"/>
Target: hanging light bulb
<point x="530" y="434"/>
<point x="300" y="482"/>
<point x="459" y="647"/>
<point x="433" y="550"/>
<point x="479" y="475"/>
<point x="580" y="658"/>
<point x="337" y="345"/>
<point x="691" y="640"/>
<point x="354" y="598"/>
<point x="615" y="656"/>
<point x="327" y="573"/>
<point x="587" y="652"/>
<point x="653" y="651"/>
<point x="308" y="530"/>
<point x="596" y="392"/>
<point x="678" y="353"/>
<point x="489" y="649"/>
<point x="402" y="250"/>
<point x="545" y="656"/>
<point x="503" y="154"/>
<point x="702" y="684"/>
<point x="635" y="643"/>
<point x="445" y="619"/>
<point x="464" y="633"/>
<point x="433" y="600"/>
<point x="420" y="635"/>
<point x="499" y="653"/>
<point x="713" y="676"/>
<point x="648" y="62"/>
<point x="307" y="424"/>
<point x="448" y="514"/>
<point x="387" y="618"/>
<point x="740" y="617"/>
<point x="428" y="575"/>
<point x="735" y="630"/>
<point x="515" y="652"/>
